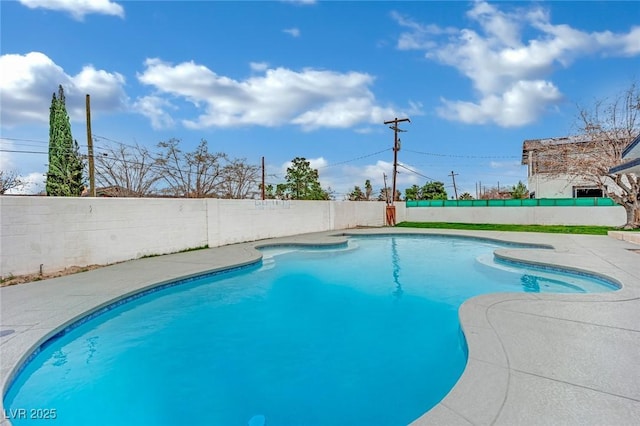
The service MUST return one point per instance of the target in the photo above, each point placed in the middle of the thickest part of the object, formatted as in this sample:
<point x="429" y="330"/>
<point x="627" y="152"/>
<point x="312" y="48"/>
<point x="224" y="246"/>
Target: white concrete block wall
<point x="401" y="212"/>
<point x="234" y="221"/>
<point x="349" y="214"/>
<point x="59" y="232"/>
<point x="371" y="213"/>
<point x="599" y="216"/>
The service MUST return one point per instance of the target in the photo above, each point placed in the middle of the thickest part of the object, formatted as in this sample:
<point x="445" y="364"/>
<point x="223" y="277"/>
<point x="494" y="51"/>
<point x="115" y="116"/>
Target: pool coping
<point x="533" y="358"/>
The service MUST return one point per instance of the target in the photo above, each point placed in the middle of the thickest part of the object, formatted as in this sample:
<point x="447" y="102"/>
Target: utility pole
<point x="396" y="148"/>
<point x="92" y="176"/>
<point x="386" y="193"/>
<point x="263" y="178"/>
<point x="453" y="176"/>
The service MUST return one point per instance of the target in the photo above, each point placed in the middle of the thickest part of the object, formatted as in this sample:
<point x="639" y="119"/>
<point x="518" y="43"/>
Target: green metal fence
<point x="527" y="202"/>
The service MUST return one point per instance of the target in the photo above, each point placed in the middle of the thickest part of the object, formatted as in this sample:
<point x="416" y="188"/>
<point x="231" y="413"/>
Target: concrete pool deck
<point x="533" y="358"/>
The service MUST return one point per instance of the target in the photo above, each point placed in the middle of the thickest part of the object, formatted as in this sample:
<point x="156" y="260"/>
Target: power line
<point x="19" y="151"/>
<point x="463" y="156"/>
<point x="23" y="140"/>
<point x="355" y="159"/>
<point x="414" y="172"/>
<point x="113" y="141"/>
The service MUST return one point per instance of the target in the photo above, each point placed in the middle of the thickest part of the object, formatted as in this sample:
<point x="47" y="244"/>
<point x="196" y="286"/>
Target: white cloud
<point x="34" y="183"/>
<point x="344" y="113"/>
<point x="301" y="2"/>
<point x="78" y="8"/>
<point x="153" y="107"/>
<point x="317" y="163"/>
<point x="293" y="32"/>
<point x="28" y="82"/>
<point x="509" y="71"/>
<point x="309" y="98"/>
<point x="259" y="66"/>
<point x="520" y="105"/>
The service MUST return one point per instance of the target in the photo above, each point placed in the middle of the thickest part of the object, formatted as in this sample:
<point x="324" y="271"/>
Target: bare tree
<point x="9" y="179"/>
<point x="196" y="174"/>
<point x="239" y="179"/>
<point x="605" y="129"/>
<point x="128" y="171"/>
<point x="495" y="193"/>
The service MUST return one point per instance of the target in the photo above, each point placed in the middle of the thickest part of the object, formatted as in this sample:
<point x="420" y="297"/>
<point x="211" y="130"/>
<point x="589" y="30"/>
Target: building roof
<point x="633" y="149"/>
<point x="632" y="166"/>
<point x="631" y="152"/>
<point x="534" y="144"/>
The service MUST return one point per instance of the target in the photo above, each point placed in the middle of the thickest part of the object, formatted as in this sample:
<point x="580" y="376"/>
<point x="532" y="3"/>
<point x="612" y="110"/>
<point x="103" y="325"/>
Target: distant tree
<point x="385" y="195"/>
<point x="495" y="193"/>
<point x="430" y="191"/>
<point x="240" y="179"/>
<point x="330" y="193"/>
<point x="196" y="174"/>
<point x="412" y="193"/>
<point x="303" y="182"/>
<point x="132" y="170"/>
<point x="368" y="189"/>
<point x="519" y="191"/>
<point x="64" y="177"/>
<point x="356" y="194"/>
<point x="9" y="179"/>
<point x="268" y="191"/>
<point x="281" y="191"/>
<point x="434" y="191"/>
<point x="465" y="196"/>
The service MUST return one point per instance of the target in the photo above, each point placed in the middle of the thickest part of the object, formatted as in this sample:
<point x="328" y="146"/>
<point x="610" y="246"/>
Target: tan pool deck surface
<point x="534" y="359"/>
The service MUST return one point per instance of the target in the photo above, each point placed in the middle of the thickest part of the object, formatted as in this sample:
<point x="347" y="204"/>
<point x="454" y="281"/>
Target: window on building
<point x="587" y="192"/>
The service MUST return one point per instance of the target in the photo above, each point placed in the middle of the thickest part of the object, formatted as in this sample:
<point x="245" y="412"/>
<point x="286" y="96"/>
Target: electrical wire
<point x="414" y="172"/>
<point x="23" y="140"/>
<point x="463" y="156"/>
<point x="355" y="159"/>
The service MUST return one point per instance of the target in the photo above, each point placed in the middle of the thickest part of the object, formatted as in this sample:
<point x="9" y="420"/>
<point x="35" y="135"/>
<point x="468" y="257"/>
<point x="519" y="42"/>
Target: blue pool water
<point x="364" y="334"/>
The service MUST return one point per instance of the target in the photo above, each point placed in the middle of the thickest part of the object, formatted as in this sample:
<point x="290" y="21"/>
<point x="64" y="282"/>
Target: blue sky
<point x="286" y="79"/>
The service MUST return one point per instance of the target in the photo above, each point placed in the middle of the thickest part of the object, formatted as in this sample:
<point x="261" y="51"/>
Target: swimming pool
<point x="309" y="337"/>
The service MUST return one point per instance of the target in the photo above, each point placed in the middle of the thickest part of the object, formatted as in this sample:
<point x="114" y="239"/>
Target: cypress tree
<point x="65" y="163"/>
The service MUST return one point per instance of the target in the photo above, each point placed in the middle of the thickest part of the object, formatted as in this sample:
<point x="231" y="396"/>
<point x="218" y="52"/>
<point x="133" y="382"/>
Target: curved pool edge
<point x="37" y="333"/>
<point x="491" y="387"/>
<point x="540" y="358"/>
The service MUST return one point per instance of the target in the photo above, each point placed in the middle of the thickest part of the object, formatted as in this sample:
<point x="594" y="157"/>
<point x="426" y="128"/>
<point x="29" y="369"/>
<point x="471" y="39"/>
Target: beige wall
<point x="560" y="187"/>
